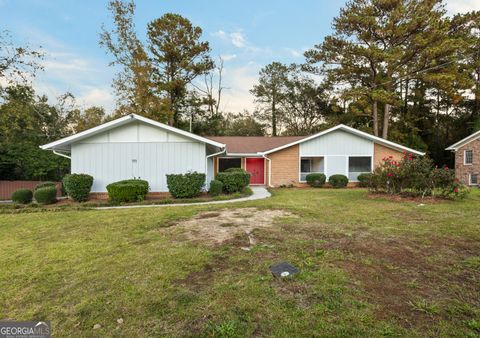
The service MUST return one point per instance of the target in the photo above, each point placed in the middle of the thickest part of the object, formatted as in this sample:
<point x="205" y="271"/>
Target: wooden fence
<point x="8" y="187"/>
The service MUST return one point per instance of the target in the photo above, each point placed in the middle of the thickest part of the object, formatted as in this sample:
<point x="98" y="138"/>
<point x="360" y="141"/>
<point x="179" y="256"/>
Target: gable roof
<point x="354" y="131"/>
<point x="464" y="141"/>
<point x="65" y="142"/>
<point x="253" y="144"/>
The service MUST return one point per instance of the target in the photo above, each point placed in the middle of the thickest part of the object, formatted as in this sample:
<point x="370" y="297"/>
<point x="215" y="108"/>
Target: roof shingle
<point x="253" y="144"/>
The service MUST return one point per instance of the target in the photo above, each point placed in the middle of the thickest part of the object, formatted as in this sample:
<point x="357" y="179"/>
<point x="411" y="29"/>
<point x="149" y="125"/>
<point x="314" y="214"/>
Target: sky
<point x="247" y="34"/>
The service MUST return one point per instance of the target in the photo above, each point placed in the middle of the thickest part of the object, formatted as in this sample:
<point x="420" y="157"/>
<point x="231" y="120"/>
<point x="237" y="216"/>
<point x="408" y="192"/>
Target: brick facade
<point x="463" y="171"/>
<point x="380" y="152"/>
<point x="285" y="166"/>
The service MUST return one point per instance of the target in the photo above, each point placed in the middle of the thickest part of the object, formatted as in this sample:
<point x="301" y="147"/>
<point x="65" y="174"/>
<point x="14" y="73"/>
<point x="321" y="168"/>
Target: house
<point x="467" y="159"/>
<point x="136" y="147"/>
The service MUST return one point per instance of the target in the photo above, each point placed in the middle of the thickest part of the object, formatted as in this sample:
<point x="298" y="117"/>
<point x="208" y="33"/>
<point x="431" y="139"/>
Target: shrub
<point x="78" y="186"/>
<point x="22" y="196"/>
<point x="338" y="181"/>
<point x="45" y="184"/>
<point x="234" y="170"/>
<point x="364" y="180"/>
<point x="316" y="179"/>
<point x="128" y="190"/>
<point x="45" y="195"/>
<point x="185" y="185"/>
<point x="234" y="181"/>
<point x="216" y="188"/>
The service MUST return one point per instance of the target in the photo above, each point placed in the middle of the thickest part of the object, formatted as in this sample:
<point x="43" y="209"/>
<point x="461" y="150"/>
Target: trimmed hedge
<point x="216" y="188"/>
<point x="364" y="180"/>
<point x="316" y="179"/>
<point x="234" y="180"/>
<point x="185" y="185"/>
<point x="22" y="196"/>
<point x="45" y="184"/>
<point x="234" y="170"/>
<point x="128" y="190"/>
<point x="78" y="186"/>
<point x="338" y="181"/>
<point x="45" y="195"/>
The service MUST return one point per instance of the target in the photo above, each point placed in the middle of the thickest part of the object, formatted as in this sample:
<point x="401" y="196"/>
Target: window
<point x="358" y="165"/>
<point x="226" y="163"/>
<point x="473" y="179"/>
<point x="468" y="159"/>
<point x="306" y="165"/>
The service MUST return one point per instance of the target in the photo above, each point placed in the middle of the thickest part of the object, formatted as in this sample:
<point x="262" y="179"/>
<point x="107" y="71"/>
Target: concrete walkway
<point x="258" y="194"/>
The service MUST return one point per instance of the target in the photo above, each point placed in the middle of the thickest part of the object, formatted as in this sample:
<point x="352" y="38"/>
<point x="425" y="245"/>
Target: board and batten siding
<point x="336" y="147"/>
<point x="136" y="150"/>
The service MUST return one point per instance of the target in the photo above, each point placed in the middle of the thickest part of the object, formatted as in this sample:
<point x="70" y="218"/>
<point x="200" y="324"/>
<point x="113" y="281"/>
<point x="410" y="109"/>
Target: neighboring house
<point x="467" y="159"/>
<point x="137" y="147"/>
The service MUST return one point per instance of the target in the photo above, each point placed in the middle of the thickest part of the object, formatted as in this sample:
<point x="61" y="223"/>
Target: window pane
<point x="360" y="164"/>
<point x="306" y="166"/>
<point x="468" y="156"/>
<point x="226" y="163"/>
<point x="473" y="179"/>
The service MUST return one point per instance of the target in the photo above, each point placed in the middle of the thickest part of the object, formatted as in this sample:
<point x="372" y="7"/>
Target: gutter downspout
<point x="269" y="169"/>
<point x="60" y="154"/>
<point x="206" y="161"/>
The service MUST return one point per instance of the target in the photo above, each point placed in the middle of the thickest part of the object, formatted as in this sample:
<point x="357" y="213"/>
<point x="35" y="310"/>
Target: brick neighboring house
<point x="467" y="159"/>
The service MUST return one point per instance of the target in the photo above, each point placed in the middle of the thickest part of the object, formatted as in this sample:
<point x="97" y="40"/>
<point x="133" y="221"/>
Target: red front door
<point x="255" y="166"/>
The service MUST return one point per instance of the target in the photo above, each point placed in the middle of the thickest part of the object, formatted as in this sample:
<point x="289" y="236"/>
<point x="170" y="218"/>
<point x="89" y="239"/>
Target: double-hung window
<point x="468" y="157"/>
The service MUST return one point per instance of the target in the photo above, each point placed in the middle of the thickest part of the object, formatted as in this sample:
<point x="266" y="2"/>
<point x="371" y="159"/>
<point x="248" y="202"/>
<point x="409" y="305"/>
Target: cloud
<point x="239" y="81"/>
<point x="462" y="6"/>
<point x="220" y="34"/>
<point x="237" y="39"/>
<point x="228" y="57"/>
<point x="295" y="52"/>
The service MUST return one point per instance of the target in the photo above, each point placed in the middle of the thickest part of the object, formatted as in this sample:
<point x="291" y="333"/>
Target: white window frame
<point x="230" y="158"/>
<point x="465" y="157"/>
<point x="470" y="179"/>
<point x="348" y="166"/>
<point x="309" y="157"/>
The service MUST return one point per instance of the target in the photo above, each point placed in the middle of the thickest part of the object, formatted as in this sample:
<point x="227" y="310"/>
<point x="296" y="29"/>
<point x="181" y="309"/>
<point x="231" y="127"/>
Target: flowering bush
<point x="415" y="175"/>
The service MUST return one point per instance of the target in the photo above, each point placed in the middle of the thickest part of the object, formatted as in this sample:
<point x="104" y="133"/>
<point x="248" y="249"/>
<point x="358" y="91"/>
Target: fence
<point x="8" y="187"/>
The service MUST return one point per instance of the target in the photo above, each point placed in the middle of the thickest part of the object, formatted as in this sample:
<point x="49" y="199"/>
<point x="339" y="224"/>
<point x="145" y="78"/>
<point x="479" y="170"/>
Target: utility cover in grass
<point x="283" y="269"/>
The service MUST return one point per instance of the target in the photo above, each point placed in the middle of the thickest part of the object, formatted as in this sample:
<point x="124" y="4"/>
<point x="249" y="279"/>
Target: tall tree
<point x="269" y="92"/>
<point x="178" y="57"/>
<point x="378" y="43"/>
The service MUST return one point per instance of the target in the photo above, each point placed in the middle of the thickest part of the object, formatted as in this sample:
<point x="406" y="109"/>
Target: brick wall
<point x="285" y="166"/>
<point x="380" y="152"/>
<point x="463" y="171"/>
<point x="8" y="187"/>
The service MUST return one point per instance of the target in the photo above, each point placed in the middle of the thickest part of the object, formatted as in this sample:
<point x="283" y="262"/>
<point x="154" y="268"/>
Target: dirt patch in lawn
<point x="225" y="225"/>
<point x="413" y="282"/>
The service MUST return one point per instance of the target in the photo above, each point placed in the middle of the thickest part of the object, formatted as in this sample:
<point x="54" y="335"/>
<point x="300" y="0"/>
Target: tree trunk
<point x="375" y="118"/>
<point x="386" y="120"/>
<point x="274" y="119"/>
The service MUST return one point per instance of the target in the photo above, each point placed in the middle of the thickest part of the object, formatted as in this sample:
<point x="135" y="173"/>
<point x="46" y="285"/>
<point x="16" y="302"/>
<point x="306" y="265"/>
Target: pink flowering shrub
<point x="415" y="175"/>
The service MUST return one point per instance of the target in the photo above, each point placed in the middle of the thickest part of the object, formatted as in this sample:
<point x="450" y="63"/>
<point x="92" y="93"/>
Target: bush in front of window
<point x="338" y="181"/>
<point x="45" y="195"/>
<point x="364" y="180"/>
<point x="216" y="188"/>
<point x="185" y="185"/>
<point x="234" y="180"/>
<point x="128" y="190"/>
<point x="316" y="180"/>
<point x="45" y="184"/>
<point x="78" y="186"/>
<point x="22" y="196"/>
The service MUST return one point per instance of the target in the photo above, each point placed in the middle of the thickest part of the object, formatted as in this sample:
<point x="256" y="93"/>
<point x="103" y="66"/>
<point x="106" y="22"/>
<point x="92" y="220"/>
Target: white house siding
<point x="336" y="147"/>
<point x="136" y="150"/>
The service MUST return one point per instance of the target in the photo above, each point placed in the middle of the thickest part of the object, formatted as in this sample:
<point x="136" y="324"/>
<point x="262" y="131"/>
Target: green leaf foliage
<point x="128" y="190"/>
<point x="316" y="180"/>
<point x="46" y="195"/>
<point x="78" y="186"/>
<point x="234" y="180"/>
<point x="45" y="184"/>
<point x="22" y="196"/>
<point x="216" y="188"/>
<point x="185" y="185"/>
<point x="364" y="180"/>
<point x="338" y="181"/>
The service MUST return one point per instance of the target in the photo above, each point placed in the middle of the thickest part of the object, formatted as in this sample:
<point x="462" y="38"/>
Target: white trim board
<point x="66" y="141"/>
<point x="468" y="139"/>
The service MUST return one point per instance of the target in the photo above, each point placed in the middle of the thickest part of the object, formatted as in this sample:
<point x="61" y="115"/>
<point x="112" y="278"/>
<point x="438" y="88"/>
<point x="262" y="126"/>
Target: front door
<point x="255" y="166"/>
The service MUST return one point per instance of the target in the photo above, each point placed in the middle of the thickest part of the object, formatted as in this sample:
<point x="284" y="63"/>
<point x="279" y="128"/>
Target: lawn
<point x="368" y="267"/>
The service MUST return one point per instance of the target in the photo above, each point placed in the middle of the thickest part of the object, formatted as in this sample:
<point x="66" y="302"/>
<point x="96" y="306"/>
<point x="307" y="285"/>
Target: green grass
<point x="369" y="267"/>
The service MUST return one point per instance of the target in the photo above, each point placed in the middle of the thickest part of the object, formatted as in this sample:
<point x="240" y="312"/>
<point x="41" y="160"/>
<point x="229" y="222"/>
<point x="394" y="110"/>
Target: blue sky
<point x="247" y="34"/>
